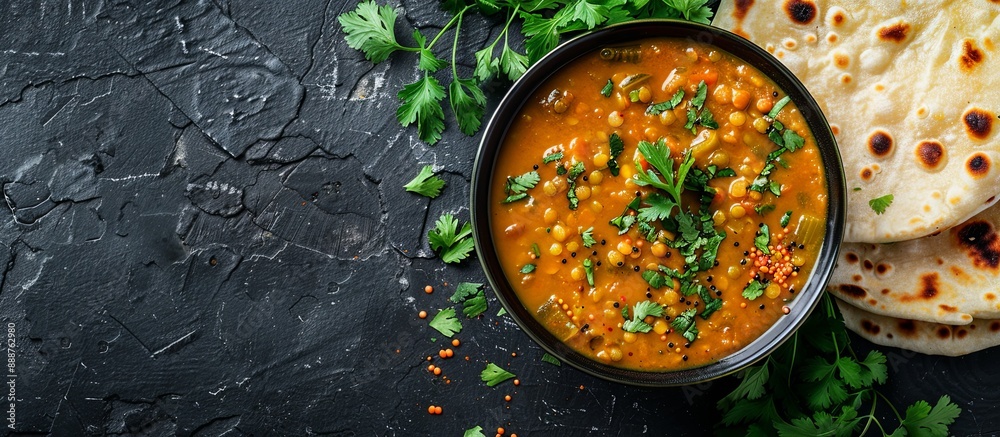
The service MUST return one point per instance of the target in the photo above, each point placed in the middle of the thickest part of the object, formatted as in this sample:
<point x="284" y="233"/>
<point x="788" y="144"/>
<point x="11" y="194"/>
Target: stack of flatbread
<point x="912" y="92"/>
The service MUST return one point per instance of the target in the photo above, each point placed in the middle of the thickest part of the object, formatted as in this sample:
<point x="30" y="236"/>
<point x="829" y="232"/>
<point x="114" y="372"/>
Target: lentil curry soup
<point x="655" y="206"/>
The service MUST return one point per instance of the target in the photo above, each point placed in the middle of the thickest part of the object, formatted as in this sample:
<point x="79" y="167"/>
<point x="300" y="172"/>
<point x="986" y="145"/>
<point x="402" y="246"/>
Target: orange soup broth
<point x="570" y="115"/>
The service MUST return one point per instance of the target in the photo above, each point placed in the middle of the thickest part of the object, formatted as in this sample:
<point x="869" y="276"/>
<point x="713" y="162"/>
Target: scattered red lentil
<point x="442" y="353"/>
<point x="437" y="410"/>
<point x="428" y="289"/>
<point x="507" y="398"/>
<point x="431" y="368"/>
<point x="437" y="371"/>
<point x="500" y="431"/>
<point x="517" y="382"/>
<point x="449" y="353"/>
<point x="455" y="342"/>
<point x="422" y="314"/>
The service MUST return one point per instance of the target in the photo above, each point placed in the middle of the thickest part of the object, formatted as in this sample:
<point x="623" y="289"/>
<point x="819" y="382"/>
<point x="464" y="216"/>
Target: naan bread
<point x="952" y="277"/>
<point x="912" y="91"/>
<point x="924" y="337"/>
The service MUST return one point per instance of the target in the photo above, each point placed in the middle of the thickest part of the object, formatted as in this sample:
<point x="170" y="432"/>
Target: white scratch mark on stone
<point x="214" y="53"/>
<point x="132" y="177"/>
<point x="167" y="347"/>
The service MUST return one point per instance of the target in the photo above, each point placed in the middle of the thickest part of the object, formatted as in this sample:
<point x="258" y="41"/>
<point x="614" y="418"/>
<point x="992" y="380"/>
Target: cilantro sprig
<point x="472" y="297"/>
<point x="879" y="204"/>
<point x="516" y="187"/>
<point x="639" y="312"/>
<point x="371" y="28"/>
<point x="817" y="384"/>
<point x="425" y="183"/>
<point x="450" y="242"/>
<point x="446" y="323"/>
<point x="494" y="374"/>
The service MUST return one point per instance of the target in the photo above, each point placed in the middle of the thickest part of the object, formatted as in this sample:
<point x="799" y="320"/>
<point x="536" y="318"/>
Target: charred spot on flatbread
<point x="853" y="291"/>
<point x="880" y="143"/>
<point x="801" y="12"/>
<point x="836" y="16"/>
<point x="894" y="33"/>
<point x="929" y="288"/>
<point x="994" y="326"/>
<point x="870" y="327"/>
<point x="978" y="164"/>
<point x="907" y="327"/>
<point x="882" y="268"/>
<point x="978" y="123"/>
<point x="930" y="285"/>
<point x="981" y="244"/>
<point x="857" y="278"/>
<point x="866" y="174"/>
<point x="971" y="56"/>
<point x="961" y="333"/>
<point x="742" y="7"/>
<point x="868" y="264"/>
<point x="851" y="257"/>
<point x="930" y="154"/>
<point x="943" y="332"/>
<point x="948" y="308"/>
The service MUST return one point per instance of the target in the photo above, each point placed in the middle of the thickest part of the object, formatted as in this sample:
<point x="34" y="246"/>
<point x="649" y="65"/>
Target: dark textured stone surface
<point x="207" y="235"/>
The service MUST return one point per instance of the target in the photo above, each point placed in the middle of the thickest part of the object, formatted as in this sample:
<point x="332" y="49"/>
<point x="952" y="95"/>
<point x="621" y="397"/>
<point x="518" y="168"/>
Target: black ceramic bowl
<point x="623" y="34"/>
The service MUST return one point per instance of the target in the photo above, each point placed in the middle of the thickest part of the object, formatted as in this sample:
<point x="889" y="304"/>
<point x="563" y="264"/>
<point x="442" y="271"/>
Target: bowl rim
<point x="517" y="96"/>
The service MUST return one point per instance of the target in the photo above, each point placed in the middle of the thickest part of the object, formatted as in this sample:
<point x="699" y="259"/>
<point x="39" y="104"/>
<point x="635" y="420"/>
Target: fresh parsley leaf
<point x="692" y="10"/>
<point x="446" y="323"/>
<point x="706" y="119"/>
<point x="692" y="118"/>
<point x="699" y="96"/>
<point x="472" y="297"/>
<point x="588" y="237"/>
<point x="493" y="375"/>
<point x="552" y="157"/>
<point x="517" y="185"/>
<point x="428" y="61"/>
<point x="474" y="432"/>
<point x="922" y="420"/>
<point x="467" y="103"/>
<point x="658" y="155"/>
<point x="639" y="312"/>
<point x="655" y="279"/>
<point x="659" y="108"/>
<point x="501" y="312"/>
<point x="712" y="304"/>
<point x="856" y="189"/>
<point x="371" y="29"/>
<point x="465" y="290"/>
<point x="512" y="63"/>
<point x="764" y="209"/>
<point x="792" y="140"/>
<point x="625" y="221"/>
<point x="684" y="324"/>
<point x="660" y="207"/>
<point x="879" y="204"/>
<point x="547" y="358"/>
<point x="787" y="217"/>
<point x="754" y="290"/>
<point x="762" y="239"/>
<point x="608" y="87"/>
<point x="486" y="65"/>
<point x="574" y="173"/>
<point x="452" y="244"/>
<point x="616" y="147"/>
<point x="528" y="268"/>
<point x="422" y="104"/>
<point x="542" y="34"/>
<point x="425" y="183"/>
<point x="588" y="267"/>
